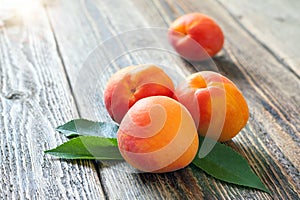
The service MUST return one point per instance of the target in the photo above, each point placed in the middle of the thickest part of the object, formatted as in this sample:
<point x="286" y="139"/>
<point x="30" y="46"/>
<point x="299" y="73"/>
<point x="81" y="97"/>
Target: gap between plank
<point x="62" y="60"/>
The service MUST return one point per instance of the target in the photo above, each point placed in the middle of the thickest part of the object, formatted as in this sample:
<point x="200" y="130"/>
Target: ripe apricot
<point x="196" y="36"/>
<point x="218" y="107"/>
<point x="133" y="83"/>
<point x="158" y="135"/>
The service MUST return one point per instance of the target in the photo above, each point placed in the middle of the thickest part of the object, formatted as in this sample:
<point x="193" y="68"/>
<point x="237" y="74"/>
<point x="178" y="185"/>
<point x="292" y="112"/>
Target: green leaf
<point x="88" y="147"/>
<point x="97" y="141"/>
<point x="227" y="165"/>
<point x="83" y="127"/>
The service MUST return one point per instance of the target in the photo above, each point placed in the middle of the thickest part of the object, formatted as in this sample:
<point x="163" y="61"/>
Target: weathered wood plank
<point x="118" y="183"/>
<point x="272" y="94"/>
<point x="34" y="98"/>
<point x="274" y="24"/>
<point x="270" y="139"/>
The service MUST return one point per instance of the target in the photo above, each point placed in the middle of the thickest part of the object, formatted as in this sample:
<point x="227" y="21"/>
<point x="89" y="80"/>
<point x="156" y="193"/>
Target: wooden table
<point x="42" y="53"/>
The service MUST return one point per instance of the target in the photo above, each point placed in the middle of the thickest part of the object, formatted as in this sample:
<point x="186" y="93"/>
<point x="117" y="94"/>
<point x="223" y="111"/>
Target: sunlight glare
<point x="22" y="8"/>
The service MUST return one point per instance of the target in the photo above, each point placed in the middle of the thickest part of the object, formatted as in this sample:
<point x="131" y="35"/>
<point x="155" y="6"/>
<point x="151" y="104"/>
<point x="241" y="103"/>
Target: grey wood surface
<point x="42" y="60"/>
<point x="273" y="24"/>
<point x="35" y="97"/>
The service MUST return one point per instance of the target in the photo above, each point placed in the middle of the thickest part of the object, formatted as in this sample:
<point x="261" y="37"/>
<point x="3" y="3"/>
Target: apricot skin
<point x="133" y="83"/>
<point x="196" y="36"/>
<point x="205" y="93"/>
<point x="158" y="135"/>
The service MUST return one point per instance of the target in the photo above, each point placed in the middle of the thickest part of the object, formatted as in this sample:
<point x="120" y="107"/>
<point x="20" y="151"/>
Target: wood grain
<point x="44" y="64"/>
<point x="274" y="24"/>
<point x="113" y="17"/>
<point x="269" y="146"/>
<point x="34" y="98"/>
<point x="118" y="183"/>
<point x="274" y="134"/>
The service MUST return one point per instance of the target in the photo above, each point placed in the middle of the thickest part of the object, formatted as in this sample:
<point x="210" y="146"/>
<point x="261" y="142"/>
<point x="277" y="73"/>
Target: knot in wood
<point x="16" y="95"/>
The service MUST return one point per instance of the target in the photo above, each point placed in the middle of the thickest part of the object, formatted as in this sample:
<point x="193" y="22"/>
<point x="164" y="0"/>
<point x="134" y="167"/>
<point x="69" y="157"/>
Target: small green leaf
<point x="88" y="147"/>
<point x="227" y="165"/>
<point x="83" y="127"/>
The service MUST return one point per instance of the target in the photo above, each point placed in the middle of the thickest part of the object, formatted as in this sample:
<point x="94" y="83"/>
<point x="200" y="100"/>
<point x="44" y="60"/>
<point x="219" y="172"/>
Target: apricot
<point x="133" y="83"/>
<point x="196" y="36"/>
<point x="216" y="104"/>
<point x="158" y="135"/>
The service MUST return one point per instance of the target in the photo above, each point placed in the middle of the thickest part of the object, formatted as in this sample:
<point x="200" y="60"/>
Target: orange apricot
<point x="158" y="135"/>
<point x="218" y="107"/>
<point x="133" y="83"/>
<point x="196" y="36"/>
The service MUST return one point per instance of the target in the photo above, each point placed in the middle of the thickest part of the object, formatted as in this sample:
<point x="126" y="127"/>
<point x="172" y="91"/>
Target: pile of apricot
<point x="160" y="123"/>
